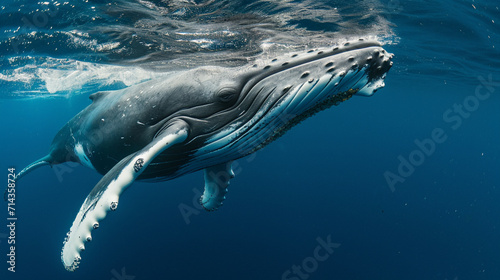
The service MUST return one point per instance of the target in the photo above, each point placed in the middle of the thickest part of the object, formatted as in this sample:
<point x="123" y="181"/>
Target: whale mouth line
<point x="292" y="88"/>
<point x="333" y="100"/>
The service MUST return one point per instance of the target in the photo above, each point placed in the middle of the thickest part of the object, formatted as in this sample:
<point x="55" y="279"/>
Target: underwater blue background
<point x="324" y="178"/>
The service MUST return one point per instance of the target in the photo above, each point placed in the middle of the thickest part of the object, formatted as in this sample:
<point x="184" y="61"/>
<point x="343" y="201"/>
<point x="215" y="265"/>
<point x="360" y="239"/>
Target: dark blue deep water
<point x="324" y="181"/>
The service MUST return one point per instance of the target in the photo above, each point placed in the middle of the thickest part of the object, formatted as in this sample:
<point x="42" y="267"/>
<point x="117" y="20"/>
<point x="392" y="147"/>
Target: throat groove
<point x="334" y="100"/>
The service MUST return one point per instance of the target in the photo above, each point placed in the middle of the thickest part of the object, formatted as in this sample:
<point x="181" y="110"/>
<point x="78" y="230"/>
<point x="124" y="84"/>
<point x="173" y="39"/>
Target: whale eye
<point x="227" y="94"/>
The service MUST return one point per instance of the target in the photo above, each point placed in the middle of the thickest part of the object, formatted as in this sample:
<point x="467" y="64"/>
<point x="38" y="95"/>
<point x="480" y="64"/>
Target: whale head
<point x="258" y="103"/>
<point x="233" y="112"/>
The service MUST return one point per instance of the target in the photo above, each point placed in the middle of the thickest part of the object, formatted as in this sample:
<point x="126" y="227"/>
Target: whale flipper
<point x="104" y="196"/>
<point x="46" y="160"/>
<point x="216" y="181"/>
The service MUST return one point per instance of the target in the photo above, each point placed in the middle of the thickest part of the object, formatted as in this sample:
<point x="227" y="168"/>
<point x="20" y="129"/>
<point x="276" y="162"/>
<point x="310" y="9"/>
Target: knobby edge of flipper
<point x="104" y="197"/>
<point x="46" y="160"/>
<point x="217" y="180"/>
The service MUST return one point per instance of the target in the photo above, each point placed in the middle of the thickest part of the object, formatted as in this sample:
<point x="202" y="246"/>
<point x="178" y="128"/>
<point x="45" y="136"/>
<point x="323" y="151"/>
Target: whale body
<point x="202" y="119"/>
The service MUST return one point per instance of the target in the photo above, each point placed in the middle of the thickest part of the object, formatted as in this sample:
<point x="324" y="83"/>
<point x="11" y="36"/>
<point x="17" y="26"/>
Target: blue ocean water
<point x="325" y="181"/>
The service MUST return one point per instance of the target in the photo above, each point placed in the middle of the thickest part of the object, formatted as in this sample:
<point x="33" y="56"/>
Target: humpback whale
<point x="202" y="119"/>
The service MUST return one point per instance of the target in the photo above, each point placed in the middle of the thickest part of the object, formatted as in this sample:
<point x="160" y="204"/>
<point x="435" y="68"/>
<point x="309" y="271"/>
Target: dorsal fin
<point x="98" y="95"/>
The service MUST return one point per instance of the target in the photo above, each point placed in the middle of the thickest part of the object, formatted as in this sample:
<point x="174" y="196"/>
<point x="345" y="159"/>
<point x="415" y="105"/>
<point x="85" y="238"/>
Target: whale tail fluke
<point x="46" y="160"/>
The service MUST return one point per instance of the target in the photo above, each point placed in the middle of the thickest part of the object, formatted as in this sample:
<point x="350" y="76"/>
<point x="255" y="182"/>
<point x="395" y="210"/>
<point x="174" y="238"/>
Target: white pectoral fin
<point x="216" y="181"/>
<point x="105" y="195"/>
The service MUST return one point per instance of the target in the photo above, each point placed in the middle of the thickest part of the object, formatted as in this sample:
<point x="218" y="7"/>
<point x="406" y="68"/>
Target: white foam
<point x="85" y="73"/>
<point x="60" y="76"/>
